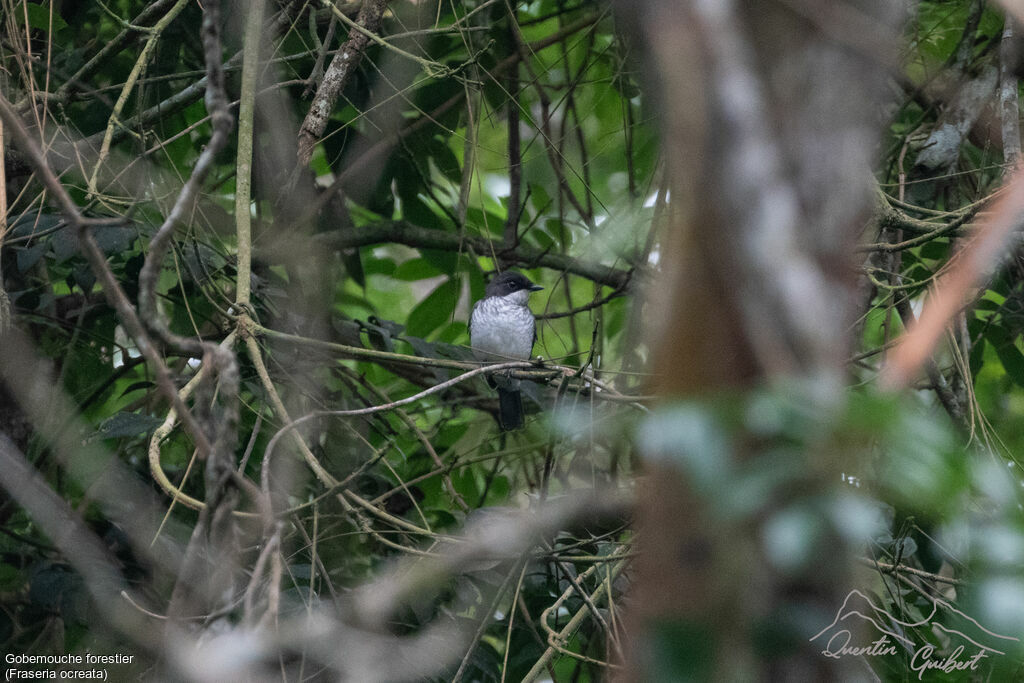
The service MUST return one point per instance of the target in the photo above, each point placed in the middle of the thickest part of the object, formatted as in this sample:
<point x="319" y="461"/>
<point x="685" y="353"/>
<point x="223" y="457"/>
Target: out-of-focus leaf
<point x="137" y="386"/>
<point x="435" y="309"/>
<point x="113" y="239"/>
<point x="39" y="17"/>
<point x="416" y="269"/>
<point x="416" y="211"/>
<point x="127" y="424"/>
<point x="33" y="223"/>
<point x="445" y="261"/>
<point x="352" y="259"/>
<point x="84" y="277"/>
<point x="29" y="256"/>
<point x="373" y="265"/>
<point x="1009" y="355"/>
<point x="65" y="244"/>
<point x="201" y="261"/>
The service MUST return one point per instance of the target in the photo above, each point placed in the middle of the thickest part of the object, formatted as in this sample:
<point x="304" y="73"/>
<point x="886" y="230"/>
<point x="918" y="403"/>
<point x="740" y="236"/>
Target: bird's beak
<point x="535" y="288"/>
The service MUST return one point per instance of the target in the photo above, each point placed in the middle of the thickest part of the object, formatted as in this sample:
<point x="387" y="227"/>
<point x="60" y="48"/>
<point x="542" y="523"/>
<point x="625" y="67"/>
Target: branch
<point x="403" y="232"/>
<point x="140" y="66"/>
<point x="894" y="221"/>
<point x="355" y="172"/>
<point x="176" y="102"/>
<point x="946" y="396"/>
<point x="889" y="568"/>
<point x="942" y="148"/>
<point x="75" y="82"/>
<point x="79" y="545"/>
<point x="1009" y="106"/>
<point x="889" y="215"/>
<point x="596" y="303"/>
<point x="371" y="410"/>
<point x="584" y="380"/>
<point x="222" y="123"/>
<point x="209" y="569"/>
<point x="339" y="72"/>
<point x="243" y="163"/>
<point x="115" y="295"/>
<point x="969" y="268"/>
<point x="515" y="153"/>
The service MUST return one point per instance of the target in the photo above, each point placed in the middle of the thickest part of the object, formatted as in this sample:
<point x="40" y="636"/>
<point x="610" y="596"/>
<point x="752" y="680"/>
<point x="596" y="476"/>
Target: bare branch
<point x="403" y="232"/>
<point x="339" y="71"/>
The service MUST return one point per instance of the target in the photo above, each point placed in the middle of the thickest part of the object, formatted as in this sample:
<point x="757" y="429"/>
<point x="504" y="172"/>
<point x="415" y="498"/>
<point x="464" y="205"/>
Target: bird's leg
<point x="539" y="361"/>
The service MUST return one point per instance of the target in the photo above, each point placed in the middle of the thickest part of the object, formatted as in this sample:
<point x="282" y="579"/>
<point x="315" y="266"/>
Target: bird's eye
<point x="511" y="285"/>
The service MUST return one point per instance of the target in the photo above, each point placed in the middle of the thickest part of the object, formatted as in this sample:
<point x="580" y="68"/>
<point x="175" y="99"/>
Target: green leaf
<point x="127" y="424"/>
<point x="936" y="249"/>
<point x="84" y="278"/>
<point x="29" y="256"/>
<point x="540" y="200"/>
<point x="1013" y="362"/>
<point x="456" y="331"/>
<point x="485" y="221"/>
<point x="416" y="269"/>
<point x="33" y="223"/>
<point x="542" y="239"/>
<point x="416" y="211"/>
<point x="11" y="577"/>
<point x="444" y="159"/>
<point x="977" y="356"/>
<point x="38" y="17"/>
<point x="113" y="239"/>
<point x="65" y="244"/>
<point x="138" y="386"/>
<point x="373" y="265"/>
<point x="986" y="305"/>
<point x="435" y="310"/>
<point x="1008" y="353"/>
<point x="445" y="261"/>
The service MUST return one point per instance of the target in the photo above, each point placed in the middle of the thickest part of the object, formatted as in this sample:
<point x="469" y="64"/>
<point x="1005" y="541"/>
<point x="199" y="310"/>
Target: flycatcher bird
<point x="502" y="328"/>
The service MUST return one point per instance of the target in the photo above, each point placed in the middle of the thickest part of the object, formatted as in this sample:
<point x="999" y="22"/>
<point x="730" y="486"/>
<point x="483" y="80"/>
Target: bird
<point x="502" y="328"/>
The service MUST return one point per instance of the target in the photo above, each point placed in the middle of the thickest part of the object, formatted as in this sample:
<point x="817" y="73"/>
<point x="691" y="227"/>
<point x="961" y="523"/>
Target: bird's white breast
<point x="501" y="329"/>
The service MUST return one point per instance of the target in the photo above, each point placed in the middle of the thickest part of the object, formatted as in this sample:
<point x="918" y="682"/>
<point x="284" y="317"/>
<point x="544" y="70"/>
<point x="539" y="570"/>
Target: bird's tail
<point x="510" y="409"/>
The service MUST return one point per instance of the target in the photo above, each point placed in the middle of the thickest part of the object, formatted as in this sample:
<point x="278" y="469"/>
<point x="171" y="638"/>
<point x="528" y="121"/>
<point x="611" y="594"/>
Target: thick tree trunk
<point x="769" y="121"/>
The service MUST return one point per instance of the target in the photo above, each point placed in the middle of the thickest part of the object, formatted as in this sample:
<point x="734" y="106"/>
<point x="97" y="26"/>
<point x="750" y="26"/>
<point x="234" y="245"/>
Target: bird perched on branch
<point x="502" y="328"/>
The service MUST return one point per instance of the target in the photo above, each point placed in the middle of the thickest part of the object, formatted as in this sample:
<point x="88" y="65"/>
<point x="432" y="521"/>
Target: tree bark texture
<point x="769" y="121"/>
<point x="343" y="65"/>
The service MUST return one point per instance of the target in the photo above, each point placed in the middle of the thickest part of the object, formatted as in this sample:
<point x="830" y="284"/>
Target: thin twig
<point x="115" y="295"/>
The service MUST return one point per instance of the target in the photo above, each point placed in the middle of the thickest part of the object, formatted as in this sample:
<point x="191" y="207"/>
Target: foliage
<point x="472" y="138"/>
<point x="434" y="462"/>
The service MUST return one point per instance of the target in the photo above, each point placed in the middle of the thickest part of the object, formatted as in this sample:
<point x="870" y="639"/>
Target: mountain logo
<point x="969" y="641"/>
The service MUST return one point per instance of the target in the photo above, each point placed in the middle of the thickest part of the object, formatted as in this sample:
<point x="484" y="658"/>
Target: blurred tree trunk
<point x="769" y="121"/>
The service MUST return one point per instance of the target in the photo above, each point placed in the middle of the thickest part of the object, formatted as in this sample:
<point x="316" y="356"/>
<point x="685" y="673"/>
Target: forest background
<point x="242" y="435"/>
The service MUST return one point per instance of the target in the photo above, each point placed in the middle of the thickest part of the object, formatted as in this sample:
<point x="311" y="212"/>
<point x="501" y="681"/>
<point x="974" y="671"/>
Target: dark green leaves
<point x="127" y="424"/>
<point x="1009" y="355"/>
<point x="39" y="16"/>
<point x="435" y="310"/>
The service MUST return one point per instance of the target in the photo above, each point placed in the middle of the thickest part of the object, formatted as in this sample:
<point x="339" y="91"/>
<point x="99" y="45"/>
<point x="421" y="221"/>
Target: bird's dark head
<point x="511" y="284"/>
